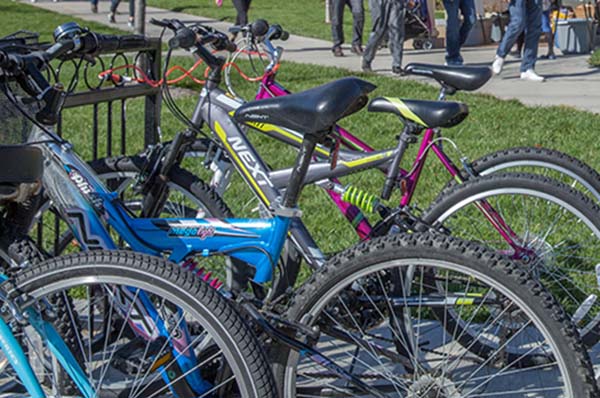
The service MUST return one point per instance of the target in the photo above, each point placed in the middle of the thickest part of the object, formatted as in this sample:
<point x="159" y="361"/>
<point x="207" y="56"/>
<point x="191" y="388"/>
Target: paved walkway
<point x="570" y="81"/>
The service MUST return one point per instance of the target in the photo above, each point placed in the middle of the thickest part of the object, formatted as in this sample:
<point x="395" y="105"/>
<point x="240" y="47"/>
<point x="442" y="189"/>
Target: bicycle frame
<point x="356" y="156"/>
<point x="90" y="209"/>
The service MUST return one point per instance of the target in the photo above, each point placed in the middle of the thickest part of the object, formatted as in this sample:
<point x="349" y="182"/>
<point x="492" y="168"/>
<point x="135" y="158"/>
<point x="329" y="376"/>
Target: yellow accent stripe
<point x="267" y="127"/>
<point x="221" y="133"/>
<point x="161" y="361"/>
<point x="405" y="111"/>
<point x="367" y="159"/>
<point x="464" y="301"/>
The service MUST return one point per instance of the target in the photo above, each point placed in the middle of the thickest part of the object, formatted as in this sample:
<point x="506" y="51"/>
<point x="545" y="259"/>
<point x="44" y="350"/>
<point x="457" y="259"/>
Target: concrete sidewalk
<point x="570" y="81"/>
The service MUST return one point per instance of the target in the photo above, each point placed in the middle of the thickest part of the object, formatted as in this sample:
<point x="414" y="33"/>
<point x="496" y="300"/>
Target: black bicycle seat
<point x="313" y="111"/>
<point x="465" y="78"/>
<point x="429" y="114"/>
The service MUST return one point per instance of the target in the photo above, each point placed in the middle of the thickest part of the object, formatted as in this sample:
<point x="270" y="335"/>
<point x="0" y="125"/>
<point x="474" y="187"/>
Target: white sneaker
<point x="530" y="75"/>
<point x="497" y="65"/>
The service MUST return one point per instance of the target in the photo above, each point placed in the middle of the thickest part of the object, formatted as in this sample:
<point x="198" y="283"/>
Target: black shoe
<point x="337" y="52"/>
<point x="366" y="67"/>
<point x="397" y="70"/>
<point x="357" y="49"/>
<point x="95" y="8"/>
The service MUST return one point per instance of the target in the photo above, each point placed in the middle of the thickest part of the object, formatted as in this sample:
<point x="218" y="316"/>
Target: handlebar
<point x="71" y="41"/>
<point x="194" y="38"/>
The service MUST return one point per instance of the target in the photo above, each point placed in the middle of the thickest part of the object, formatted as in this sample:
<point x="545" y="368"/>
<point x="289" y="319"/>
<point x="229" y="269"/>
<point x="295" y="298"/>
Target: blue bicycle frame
<point x="90" y="209"/>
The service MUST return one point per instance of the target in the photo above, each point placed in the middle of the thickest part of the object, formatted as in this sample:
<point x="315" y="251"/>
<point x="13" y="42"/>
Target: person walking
<point x="241" y="7"/>
<point x="547" y="7"/>
<point x="525" y="15"/>
<point x="457" y="33"/>
<point x="388" y="16"/>
<point x="94" y="6"/>
<point x="113" y="11"/>
<point x="337" y="26"/>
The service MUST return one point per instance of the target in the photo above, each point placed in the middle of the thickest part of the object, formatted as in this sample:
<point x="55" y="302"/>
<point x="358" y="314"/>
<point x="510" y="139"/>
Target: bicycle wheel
<point x="553" y="233"/>
<point x="375" y="320"/>
<point x="547" y="162"/>
<point x="172" y="335"/>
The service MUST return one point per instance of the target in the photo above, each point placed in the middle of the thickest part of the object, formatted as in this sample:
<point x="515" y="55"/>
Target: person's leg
<point x="358" y="21"/>
<point x="396" y="33"/>
<point x="239" y="11"/>
<point x="467" y="9"/>
<point x="516" y="25"/>
<point x="131" y="9"/>
<point x="547" y="29"/>
<point x="520" y="43"/>
<point x="337" y="20"/>
<point x="380" y="24"/>
<point x="533" y="31"/>
<point x="374" y="10"/>
<point x="244" y="13"/>
<point x="452" y="31"/>
<point x="114" y="5"/>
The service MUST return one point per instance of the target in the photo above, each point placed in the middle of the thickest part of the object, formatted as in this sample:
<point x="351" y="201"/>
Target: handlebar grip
<point x="260" y="27"/>
<point x="184" y="38"/>
<point x="54" y="99"/>
<point x="278" y="33"/>
<point x="95" y="42"/>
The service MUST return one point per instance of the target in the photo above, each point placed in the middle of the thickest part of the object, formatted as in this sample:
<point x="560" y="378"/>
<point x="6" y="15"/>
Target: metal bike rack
<point x="86" y="90"/>
<point x="108" y="102"/>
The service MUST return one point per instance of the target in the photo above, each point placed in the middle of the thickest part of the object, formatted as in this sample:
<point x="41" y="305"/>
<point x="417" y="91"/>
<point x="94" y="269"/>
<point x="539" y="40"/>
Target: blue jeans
<point x="457" y="33"/>
<point x="525" y="15"/>
<point x="94" y="2"/>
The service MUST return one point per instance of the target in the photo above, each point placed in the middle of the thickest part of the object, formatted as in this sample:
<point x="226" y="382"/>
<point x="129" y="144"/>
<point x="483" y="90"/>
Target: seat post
<point x="442" y="95"/>
<point x="406" y="137"/>
<point x="299" y="171"/>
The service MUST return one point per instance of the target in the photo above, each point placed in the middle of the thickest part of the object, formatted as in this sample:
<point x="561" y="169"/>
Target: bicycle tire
<point x="345" y="269"/>
<point x="169" y="282"/>
<point x="529" y="187"/>
<point x="533" y="158"/>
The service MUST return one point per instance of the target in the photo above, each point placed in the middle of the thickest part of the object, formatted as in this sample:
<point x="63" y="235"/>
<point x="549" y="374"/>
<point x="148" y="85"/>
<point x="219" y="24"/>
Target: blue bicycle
<point x="103" y="323"/>
<point x="363" y="325"/>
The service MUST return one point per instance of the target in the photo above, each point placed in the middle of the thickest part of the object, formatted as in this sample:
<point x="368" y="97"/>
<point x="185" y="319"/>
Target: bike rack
<point x="108" y="102"/>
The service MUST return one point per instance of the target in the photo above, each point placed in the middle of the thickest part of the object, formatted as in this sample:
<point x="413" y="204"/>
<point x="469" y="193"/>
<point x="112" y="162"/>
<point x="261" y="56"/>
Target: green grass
<point x="595" y="58"/>
<point x="18" y="16"/>
<point x="493" y="124"/>
<point x="301" y="17"/>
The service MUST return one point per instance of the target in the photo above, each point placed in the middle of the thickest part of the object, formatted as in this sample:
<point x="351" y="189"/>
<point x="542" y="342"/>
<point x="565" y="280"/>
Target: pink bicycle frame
<point x="269" y="88"/>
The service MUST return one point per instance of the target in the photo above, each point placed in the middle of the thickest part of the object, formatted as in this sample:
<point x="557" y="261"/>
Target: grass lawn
<point x="18" y="16"/>
<point x="595" y="58"/>
<point x="301" y="17"/>
<point x="493" y="124"/>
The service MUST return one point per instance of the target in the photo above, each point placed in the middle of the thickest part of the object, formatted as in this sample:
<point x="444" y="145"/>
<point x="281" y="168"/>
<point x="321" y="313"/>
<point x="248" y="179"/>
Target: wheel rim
<point x="107" y="369"/>
<point x="551" y="170"/>
<point x="560" y="254"/>
<point x="421" y="383"/>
